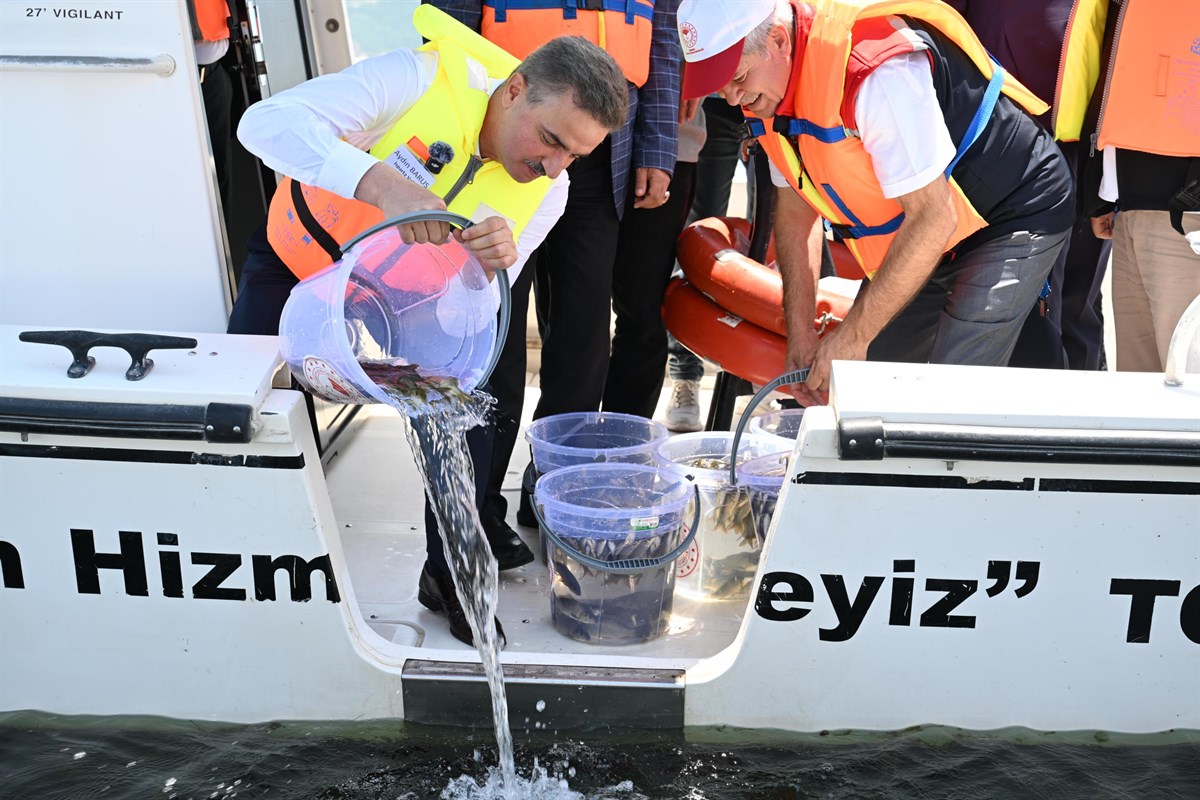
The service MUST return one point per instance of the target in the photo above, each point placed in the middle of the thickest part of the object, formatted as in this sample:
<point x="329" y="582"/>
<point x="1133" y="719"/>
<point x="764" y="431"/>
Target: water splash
<point x="542" y="784"/>
<point x="438" y="446"/>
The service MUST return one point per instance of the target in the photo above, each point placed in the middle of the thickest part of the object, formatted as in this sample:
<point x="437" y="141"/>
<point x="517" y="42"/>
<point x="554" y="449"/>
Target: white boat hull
<point x="211" y="581"/>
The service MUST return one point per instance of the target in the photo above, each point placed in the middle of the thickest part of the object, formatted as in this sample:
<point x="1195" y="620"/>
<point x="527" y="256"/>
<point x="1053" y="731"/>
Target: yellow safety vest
<point x="434" y="144"/>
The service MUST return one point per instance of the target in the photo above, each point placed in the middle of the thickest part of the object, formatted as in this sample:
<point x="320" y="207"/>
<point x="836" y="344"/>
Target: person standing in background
<point x="724" y="129"/>
<point x="1137" y="61"/>
<point x="210" y="35"/>
<point x="644" y="262"/>
<point x="574" y="276"/>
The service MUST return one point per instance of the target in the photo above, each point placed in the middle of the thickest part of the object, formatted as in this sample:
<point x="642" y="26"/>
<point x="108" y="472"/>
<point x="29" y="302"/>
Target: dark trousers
<point x="973" y="307"/>
<point x="644" y="261"/>
<point x="507" y="385"/>
<point x="571" y="274"/>
<point x="216" y="88"/>
<point x="263" y="289"/>
<point x="718" y="158"/>
<point x="573" y="287"/>
<point x="1067" y="331"/>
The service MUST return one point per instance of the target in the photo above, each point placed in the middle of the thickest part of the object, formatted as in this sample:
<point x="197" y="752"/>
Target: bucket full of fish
<point x="762" y="479"/>
<point x="722" y="561"/>
<point x="613" y="532"/>
<point x="590" y="437"/>
<point x="404" y="324"/>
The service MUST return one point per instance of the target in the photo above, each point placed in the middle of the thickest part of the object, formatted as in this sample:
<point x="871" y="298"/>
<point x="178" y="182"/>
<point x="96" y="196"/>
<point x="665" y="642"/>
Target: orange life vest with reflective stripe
<point x="622" y="27"/>
<point x="1151" y="100"/>
<point x="827" y="163"/>
<point x="306" y="225"/>
<point x="210" y="20"/>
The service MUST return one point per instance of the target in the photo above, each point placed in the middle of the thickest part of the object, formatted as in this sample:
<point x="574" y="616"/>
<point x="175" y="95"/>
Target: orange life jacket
<point x="622" y="27"/>
<point x="828" y="165"/>
<point x="210" y="19"/>
<point x="1152" y="98"/>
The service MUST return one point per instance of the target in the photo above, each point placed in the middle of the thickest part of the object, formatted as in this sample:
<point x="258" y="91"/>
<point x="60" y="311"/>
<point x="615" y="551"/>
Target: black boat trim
<point x="871" y="439"/>
<point x="151" y="456"/>
<point x="1087" y="485"/>
<point x="223" y="423"/>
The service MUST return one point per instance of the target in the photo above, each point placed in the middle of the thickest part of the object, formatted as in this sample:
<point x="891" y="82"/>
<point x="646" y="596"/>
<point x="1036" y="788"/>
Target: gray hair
<point x="571" y="63"/>
<point x="756" y="40"/>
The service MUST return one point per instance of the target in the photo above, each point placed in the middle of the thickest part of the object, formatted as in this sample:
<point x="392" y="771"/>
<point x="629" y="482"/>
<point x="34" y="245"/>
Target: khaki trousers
<point x="1155" y="275"/>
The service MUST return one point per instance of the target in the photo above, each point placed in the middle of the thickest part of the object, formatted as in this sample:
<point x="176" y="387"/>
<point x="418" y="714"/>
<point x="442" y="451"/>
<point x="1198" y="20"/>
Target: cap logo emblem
<point x="687" y="32"/>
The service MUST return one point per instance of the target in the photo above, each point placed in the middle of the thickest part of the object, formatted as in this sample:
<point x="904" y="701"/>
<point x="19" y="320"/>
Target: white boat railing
<point x="162" y="65"/>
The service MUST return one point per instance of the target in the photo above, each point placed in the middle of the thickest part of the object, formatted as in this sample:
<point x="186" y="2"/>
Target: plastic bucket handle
<point x="786" y="379"/>
<point x="627" y="565"/>
<point x="501" y="275"/>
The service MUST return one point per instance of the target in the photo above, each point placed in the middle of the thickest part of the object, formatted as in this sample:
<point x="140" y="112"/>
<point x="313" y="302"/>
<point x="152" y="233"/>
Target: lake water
<point x="53" y="758"/>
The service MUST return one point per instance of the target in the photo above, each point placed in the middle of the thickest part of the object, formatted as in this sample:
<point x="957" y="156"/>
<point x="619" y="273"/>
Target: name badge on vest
<point x="409" y="160"/>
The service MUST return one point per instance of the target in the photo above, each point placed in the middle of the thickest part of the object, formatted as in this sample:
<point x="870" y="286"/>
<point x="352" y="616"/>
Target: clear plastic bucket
<point x="420" y="317"/>
<point x="784" y="423"/>
<point x="589" y="437"/>
<point x="613" y="532"/>
<point x="723" y="559"/>
<point x="762" y="478"/>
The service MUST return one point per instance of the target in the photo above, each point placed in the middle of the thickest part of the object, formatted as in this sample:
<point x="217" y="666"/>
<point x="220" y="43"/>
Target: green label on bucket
<point x="643" y="523"/>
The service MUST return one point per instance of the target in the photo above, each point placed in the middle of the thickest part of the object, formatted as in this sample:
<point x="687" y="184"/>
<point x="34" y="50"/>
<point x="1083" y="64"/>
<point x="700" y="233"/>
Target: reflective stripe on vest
<point x="210" y="19"/>
<point x="622" y="27"/>
<point x="307" y="224"/>
<point x="831" y="169"/>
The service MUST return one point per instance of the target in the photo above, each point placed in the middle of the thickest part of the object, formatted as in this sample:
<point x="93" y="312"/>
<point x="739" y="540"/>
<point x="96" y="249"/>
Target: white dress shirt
<point x="319" y="131"/>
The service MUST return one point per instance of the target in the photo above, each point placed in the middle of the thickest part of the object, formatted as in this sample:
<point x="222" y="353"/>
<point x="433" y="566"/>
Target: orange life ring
<point x="735" y="344"/>
<point x="708" y="254"/>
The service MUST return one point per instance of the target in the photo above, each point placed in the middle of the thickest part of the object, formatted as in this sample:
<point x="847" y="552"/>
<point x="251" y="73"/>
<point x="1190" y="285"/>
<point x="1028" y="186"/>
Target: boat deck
<point x="377" y="499"/>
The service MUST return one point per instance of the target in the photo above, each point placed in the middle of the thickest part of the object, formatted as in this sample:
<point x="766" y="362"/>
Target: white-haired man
<point x="890" y="121"/>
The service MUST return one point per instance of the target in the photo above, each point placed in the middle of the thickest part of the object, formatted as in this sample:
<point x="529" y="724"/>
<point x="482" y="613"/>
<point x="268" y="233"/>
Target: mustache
<point x="536" y="166"/>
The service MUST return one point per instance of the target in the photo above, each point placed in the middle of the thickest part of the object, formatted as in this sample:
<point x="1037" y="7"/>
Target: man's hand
<point x="393" y="194"/>
<point x="1102" y="226"/>
<point x="492" y="244"/>
<point x="840" y="344"/>
<point x="929" y="222"/>
<point x="688" y="109"/>
<point x="803" y="345"/>
<point x="650" y="187"/>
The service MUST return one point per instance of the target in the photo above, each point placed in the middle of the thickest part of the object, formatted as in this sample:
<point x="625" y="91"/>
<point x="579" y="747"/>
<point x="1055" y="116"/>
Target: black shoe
<point x="436" y="592"/>
<point x="507" y="547"/>
<point x="525" y="515"/>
